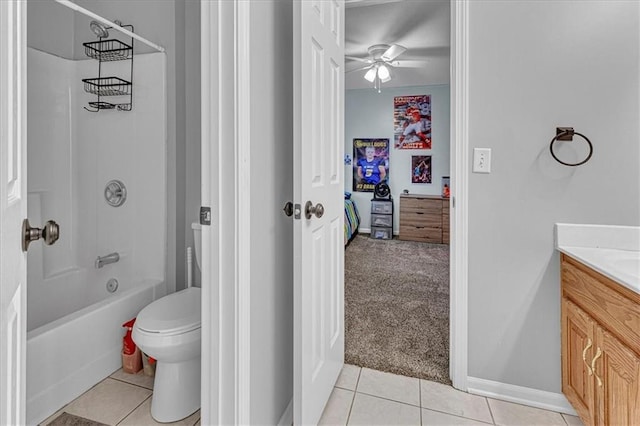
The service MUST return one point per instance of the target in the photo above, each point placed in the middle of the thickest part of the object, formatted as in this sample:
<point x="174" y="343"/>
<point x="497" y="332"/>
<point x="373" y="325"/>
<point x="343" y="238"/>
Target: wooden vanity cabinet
<point x="600" y="346"/>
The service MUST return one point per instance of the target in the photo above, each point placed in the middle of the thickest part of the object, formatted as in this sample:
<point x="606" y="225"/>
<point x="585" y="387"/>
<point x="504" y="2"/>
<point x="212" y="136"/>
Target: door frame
<point x="225" y="51"/>
<point x="459" y="263"/>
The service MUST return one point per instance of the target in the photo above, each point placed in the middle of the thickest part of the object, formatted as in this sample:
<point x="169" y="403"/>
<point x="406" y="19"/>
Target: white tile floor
<point x="368" y="397"/>
<point x="120" y="399"/>
<point x="361" y="397"/>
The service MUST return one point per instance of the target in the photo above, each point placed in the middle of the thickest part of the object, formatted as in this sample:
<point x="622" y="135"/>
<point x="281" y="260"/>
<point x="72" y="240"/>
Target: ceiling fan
<point x="381" y="63"/>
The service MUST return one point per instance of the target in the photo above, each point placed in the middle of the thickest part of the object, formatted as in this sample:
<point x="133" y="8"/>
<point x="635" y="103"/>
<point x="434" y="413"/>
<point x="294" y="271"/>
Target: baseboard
<point x="520" y="395"/>
<point x="287" y="417"/>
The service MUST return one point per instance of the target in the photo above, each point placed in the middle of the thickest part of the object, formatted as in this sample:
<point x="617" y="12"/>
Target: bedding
<point x="351" y="220"/>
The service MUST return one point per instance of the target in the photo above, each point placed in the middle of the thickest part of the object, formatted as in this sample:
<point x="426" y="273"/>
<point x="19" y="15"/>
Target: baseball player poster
<point x="412" y="122"/>
<point x="420" y="169"/>
<point x="371" y="163"/>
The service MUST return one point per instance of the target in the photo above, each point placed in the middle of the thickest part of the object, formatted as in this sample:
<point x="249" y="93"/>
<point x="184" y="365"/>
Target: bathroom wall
<point x="535" y="66"/>
<point x="192" y="126"/>
<point x="53" y="274"/>
<point x="173" y="24"/>
<point x="50" y="28"/>
<point x="73" y="153"/>
<point x="271" y="231"/>
<point x="369" y="114"/>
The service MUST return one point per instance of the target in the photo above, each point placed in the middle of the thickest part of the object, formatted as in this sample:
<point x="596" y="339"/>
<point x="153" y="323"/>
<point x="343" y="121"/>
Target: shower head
<point x="100" y="30"/>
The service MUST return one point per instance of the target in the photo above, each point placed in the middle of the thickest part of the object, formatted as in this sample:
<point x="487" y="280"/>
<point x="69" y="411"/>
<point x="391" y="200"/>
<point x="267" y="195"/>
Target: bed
<point x="351" y="219"/>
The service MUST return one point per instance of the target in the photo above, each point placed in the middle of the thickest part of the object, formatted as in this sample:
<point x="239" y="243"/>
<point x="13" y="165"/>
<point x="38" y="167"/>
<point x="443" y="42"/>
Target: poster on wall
<point x="412" y="122"/>
<point x="421" y="169"/>
<point x="370" y="163"/>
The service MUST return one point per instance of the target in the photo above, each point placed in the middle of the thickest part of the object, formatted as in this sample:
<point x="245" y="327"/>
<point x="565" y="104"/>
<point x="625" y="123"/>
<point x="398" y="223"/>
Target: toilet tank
<point x="197" y="240"/>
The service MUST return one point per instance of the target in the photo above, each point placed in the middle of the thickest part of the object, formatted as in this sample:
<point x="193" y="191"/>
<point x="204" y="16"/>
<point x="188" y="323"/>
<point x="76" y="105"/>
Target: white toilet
<point x="169" y="331"/>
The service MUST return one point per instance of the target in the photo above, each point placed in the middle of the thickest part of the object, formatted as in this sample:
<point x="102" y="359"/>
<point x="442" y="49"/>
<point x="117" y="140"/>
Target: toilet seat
<point x="177" y="313"/>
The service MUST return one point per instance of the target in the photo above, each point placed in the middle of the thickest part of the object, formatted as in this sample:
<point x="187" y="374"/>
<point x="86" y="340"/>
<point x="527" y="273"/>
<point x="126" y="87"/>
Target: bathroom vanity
<point x="600" y="273"/>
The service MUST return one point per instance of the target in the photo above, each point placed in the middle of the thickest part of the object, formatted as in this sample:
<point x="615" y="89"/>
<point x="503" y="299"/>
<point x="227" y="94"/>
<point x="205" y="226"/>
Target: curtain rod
<point x="124" y="31"/>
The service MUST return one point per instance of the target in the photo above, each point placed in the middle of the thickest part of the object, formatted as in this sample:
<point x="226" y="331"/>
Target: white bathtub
<point x="69" y="355"/>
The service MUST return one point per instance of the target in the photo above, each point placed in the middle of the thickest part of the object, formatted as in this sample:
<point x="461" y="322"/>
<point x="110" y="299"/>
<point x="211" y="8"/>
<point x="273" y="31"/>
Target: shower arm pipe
<point x="113" y="25"/>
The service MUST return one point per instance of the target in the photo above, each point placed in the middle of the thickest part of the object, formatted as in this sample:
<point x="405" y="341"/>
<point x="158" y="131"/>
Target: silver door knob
<point x="50" y="233"/>
<point x="310" y="210"/>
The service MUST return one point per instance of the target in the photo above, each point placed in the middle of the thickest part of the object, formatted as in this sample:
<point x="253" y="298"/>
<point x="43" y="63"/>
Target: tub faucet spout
<point x="105" y="260"/>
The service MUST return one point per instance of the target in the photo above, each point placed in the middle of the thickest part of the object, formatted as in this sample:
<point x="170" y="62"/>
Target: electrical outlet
<point x="482" y="160"/>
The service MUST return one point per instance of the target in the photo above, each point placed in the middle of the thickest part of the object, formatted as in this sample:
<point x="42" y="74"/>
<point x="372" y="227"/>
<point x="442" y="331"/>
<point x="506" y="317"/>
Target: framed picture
<point x="412" y="122"/>
<point x="446" y="187"/>
<point x="370" y="163"/>
<point x="420" y="169"/>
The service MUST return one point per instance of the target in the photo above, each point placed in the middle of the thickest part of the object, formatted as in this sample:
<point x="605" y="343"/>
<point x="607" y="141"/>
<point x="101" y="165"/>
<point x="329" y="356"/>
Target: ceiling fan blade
<point x="393" y="52"/>
<point x="411" y="63"/>
<point x="358" y="69"/>
<point x="355" y="58"/>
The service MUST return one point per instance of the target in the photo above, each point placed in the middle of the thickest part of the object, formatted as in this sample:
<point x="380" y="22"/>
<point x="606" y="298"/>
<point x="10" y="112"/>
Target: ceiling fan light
<point x="383" y="73"/>
<point x="371" y="74"/>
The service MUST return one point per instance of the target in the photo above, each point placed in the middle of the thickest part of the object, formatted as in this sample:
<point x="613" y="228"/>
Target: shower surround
<point x="74" y="323"/>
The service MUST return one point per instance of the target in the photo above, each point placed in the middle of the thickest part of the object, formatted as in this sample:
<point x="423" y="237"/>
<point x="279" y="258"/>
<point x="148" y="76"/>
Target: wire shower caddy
<point x="109" y="51"/>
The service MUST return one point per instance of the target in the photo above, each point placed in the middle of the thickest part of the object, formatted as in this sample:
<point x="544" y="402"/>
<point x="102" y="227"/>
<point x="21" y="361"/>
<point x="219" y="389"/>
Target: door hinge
<point x="205" y="215"/>
<point x="453" y="202"/>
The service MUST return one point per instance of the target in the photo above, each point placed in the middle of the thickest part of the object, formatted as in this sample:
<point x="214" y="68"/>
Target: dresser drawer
<point x="421" y="219"/>
<point x="419" y="233"/>
<point x="425" y="206"/>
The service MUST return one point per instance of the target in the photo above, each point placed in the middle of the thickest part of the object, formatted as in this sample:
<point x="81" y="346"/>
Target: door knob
<point x="50" y="233"/>
<point x="310" y="210"/>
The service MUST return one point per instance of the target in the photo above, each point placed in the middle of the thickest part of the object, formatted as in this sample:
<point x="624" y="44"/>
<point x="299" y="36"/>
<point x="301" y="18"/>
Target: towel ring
<point x="566" y="134"/>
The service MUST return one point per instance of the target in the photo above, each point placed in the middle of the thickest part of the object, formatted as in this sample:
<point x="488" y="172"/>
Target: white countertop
<point x="614" y="251"/>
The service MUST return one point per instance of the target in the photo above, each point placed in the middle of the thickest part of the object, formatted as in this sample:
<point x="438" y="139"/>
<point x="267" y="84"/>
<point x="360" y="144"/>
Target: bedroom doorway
<point x="397" y="283"/>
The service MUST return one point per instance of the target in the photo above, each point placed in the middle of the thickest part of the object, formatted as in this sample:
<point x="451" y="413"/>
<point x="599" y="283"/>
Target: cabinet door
<point x="617" y="379"/>
<point x="578" y="349"/>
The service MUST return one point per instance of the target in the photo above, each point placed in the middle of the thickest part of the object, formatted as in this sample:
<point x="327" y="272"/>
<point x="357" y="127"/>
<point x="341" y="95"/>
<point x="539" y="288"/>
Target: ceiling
<point x="422" y="26"/>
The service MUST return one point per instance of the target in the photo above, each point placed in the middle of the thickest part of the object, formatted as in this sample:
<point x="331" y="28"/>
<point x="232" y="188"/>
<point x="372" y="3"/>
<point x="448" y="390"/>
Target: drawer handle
<point x="419" y="227"/>
<point x="584" y="356"/>
<point x="593" y="365"/>
<point x="419" y="212"/>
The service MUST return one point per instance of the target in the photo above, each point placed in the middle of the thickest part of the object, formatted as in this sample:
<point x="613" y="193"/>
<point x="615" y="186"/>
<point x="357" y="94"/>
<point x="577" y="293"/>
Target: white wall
<point x="163" y="23"/>
<point x="534" y="66"/>
<point x="173" y="24"/>
<point x="50" y="28"/>
<point x="271" y="231"/>
<point x="369" y="114"/>
<point x="73" y="153"/>
<point x="192" y="124"/>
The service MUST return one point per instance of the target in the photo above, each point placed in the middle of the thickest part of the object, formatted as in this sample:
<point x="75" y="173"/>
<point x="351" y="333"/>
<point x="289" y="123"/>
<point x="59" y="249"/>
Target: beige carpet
<point x="397" y="307"/>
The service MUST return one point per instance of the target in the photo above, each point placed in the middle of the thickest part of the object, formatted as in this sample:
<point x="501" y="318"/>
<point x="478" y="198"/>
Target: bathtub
<point x="71" y="354"/>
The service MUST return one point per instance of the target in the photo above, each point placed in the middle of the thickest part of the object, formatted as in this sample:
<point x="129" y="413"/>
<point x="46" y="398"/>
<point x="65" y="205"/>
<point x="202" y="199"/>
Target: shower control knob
<point x="49" y="233"/>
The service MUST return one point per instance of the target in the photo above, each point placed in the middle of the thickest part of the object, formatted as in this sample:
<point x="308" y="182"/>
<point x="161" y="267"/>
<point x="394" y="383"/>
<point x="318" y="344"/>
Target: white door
<point x="318" y="43"/>
<point x="13" y="208"/>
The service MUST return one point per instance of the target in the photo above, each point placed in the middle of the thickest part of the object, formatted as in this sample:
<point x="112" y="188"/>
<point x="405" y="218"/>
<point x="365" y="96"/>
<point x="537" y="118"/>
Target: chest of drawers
<point x="424" y="218"/>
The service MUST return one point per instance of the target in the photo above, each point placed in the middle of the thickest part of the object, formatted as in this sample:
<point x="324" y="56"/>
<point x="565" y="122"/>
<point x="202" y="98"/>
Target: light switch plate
<point x="481" y="160"/>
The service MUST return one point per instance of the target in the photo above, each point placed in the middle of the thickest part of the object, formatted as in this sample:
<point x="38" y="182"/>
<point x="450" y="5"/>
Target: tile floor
<point x="361" y="397"/>
<point x="369" y="397"/>
<point x="120" y="399"/>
